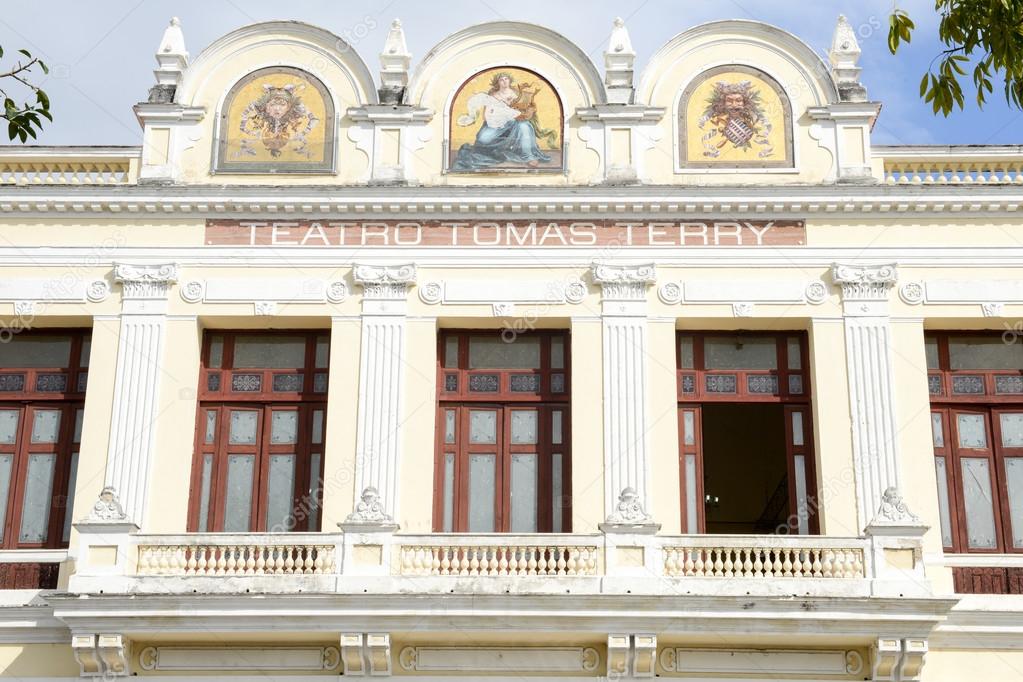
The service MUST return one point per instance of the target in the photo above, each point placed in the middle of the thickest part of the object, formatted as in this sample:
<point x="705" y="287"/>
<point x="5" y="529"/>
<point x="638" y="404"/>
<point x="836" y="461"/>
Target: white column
<point x="381" y="380"/>
<point x="626" y="461"/>
<point x="137" y="382"/>
<point x="871" y="381"/>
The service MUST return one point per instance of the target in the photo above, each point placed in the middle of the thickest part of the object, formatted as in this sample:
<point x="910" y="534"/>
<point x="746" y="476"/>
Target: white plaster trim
<point x="32" y="556"/>
<point x="518" y="291"/>
<point x="760" y="662"/>
<point x="487" y="660"/>
<point x="231" y="659"/>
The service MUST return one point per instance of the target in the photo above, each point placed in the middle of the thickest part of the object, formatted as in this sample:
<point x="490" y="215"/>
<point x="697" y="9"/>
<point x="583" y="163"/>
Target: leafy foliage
<point x="24" y="118"/>
<point x="985" y="33"/>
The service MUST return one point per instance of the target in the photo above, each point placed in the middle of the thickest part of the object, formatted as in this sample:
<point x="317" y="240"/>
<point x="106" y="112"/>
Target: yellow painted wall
<point x="38" y="660"/>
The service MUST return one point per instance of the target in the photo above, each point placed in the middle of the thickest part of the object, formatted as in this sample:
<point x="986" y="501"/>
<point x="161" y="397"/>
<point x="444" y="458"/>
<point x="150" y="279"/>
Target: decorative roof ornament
<point x="394" y="65"/>
<point x="630" y="509"/>
<point x="618" y="65"/>
<point x="894" y="511"/>
<point x="172" y="58"/>
<point x="845" y="56"/>
<point x="370" y="509"/>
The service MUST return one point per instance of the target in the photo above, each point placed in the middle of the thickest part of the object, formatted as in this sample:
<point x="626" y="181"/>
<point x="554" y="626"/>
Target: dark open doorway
<point x="745" y="468"/>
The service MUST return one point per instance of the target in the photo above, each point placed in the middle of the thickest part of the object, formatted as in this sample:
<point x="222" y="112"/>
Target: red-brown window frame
<point x="505" y="400"/>
<point x="990" y="403"/>
<point x="695" y="399"/>
<point x="308" y="399"/>
<point x="26" y="401"/>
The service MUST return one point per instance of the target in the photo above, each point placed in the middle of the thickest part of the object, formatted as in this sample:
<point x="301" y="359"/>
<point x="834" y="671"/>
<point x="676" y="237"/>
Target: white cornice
<point x="455" y="203"/>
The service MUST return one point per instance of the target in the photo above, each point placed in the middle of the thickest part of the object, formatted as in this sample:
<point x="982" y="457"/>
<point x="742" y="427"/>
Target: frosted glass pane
<point x="692" y="522"/>
<point x="6" y="464"/>
<point x="557" y="353"/>
<point x="9" y="426"/>
<point x="79" y="416"/>
<point x="557" y="492"/>
<point x="689" y="427"/>
<point x="794" y="352"/>
<point x="69" y="505"/>
<point x="523" y="427"/>
<point x="972" y="431"/>
<point x="523" y="493"/>
<point x="449" y="492"/>
<point x="1012" y="429"/>
<point x="980" y="515"/>
<point x="451" y="351"/>
<point x="284" y="426"/>
<point x="931" y="351"/>
<point x="984" y="352"/>
<point x="280" y="494"/>
<point x="449" y="426"/>
<point x="797" y="428"/>
<point x="937" y="432"/>
<point x="322" y="352"/>
<point x="802" y="509"/>
<point x="482" y="426"/>
<point x="86" y="351"/>
<point x="216" y="351"/>
<point x="238" y="505"/>
<point x="313" y="502"/>
<point x="494" y="352"/>
<point x="1014" y="484"/>
<point x="481" y="493"/>
<point x="36" y="351"/>
<point x="243" y="427"/>
<point x="685" y="352"/>
<point x="204" y="493"/>
<point x="45" y="426"/>
<point x="317" y="436"/>
<point x="35" y="508"/>
<point x="271" y="352"/>
<point x="728" y="352"/>
<point x="556" y="426"/>
<point x="944" y="509"/>
<point x="211" y="426"/>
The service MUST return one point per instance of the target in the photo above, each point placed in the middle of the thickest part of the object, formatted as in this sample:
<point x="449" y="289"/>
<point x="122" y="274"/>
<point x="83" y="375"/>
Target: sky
<point x="101" y="53"/>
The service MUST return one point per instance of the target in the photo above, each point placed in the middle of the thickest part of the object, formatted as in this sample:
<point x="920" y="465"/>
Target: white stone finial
<point x="173" y="41"/>
<point x="394" y="65"/>
<point x="172" y="58"/>
<point x="845" y="56"/>
<point x="107" y="508"/>
<point x="629" y="509"/>
<point x="370" y="509"/>
<point x="618" y="64"/>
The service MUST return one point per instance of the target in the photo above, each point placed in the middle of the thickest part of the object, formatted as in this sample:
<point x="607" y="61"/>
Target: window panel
<point x="449" y="426"/>
<point x="238" y="500"/>
<point x="1012" y="429"/>
<point x="38" y="498"/>
<point x="724" y="352"/>
<point x="482" y="482"/>
<point x="83" y="360"/>
<point x="984" y="352"/>
<point x="523" y="493"/>
<point x="692" y="520"/>
<point x="451" y="352"/>
<point x="972" y="431"/>
<point x="317" y="434"/>
<point x="6" y="470"/>
<point x="79" y="420"/>
<point x="284" y="427"/>
<point x="45" y="426"/>
<point x="483" y="426"/>
<point x="937" y="430"/>
<point x="802" y="509"/>
<point x="794" y="353"/>
<point x="270" y="352"/>
<point x="494" y="352"/>
<point x="211" y="427"/>
<point x="449" y="492"/>
<point x="688" y="427"/>
<point x="70" y="499"/>
<point x="204" y="493"/>
<point x="557" y="352"/>
<point x="36" y="351"/>
<point x="931" y="351"/>
<point x="9" y="426"/>
<point x="322" y="358"/>
<point x="980" y="516"/>
<point x="944" y="508"/>
<point x="216" y="351"/>
<point x="315" y="484"/>
<point x="557" y="493"/>
<point x="244" y="424"/>
<point x="1014" y="487"/>
<point x="524" y="427"/>
<point x="685" y="352"/>
<point x="556" y="427"/>
<point x="280" y="494"/>
<point x="797" y="428"/>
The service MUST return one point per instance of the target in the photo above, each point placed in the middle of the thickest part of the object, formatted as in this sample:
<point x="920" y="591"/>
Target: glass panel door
<point x="1009" y="428"/>
<point x="241" y="449"/>
<point x="943" y="475"/>
<point x="690" y="468"/>
<point x="972" y="438"/>
<point x="484" y="426"/>
<point x="798" y="434"/>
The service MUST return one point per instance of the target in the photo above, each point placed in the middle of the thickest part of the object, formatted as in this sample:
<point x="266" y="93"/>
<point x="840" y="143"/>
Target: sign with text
<point x="506" y="233"/>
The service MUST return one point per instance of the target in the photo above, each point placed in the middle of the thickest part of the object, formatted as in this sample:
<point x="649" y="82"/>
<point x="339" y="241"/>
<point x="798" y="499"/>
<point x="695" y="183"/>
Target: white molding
<point x="977" y="560"/>
<point x="517" y="291"/>
<point x="752" y="291"/>
<point x="760" y="662"/>
<point x="485" y="660"/>
<point x="44" y="290"/>
<point x="33" y="556"/>
<point x="979" y="291"/>
<point x="251" y="289"/>
<point x="234" y="659"/>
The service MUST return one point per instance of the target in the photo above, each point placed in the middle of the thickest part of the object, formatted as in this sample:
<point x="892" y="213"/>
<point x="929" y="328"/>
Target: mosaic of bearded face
<point x="735" y="117"/>
<point x="277" y="120"/>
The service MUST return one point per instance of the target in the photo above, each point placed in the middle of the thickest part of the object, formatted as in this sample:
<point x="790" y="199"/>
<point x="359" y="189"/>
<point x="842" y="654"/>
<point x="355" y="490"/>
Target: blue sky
<point x="102" y="53"/>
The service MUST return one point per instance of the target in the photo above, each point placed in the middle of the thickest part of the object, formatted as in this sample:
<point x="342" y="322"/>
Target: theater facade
<point x="508" y="366"/>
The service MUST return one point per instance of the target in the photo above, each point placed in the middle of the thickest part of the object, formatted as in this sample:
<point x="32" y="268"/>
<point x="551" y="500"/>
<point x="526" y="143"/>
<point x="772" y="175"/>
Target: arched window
<point x="506" y="119"/>
<point x="276" y="120"/>
<point x="735" y="117"/>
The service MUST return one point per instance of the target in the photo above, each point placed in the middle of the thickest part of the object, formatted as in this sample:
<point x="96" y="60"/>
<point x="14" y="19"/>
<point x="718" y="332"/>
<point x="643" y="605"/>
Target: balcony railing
<point x="765" y="557"/>
<point x="498" y="555"/>
<point x="952" y="165"/>
<point x="234" y="555"/>
<point x="68" y="165"/>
